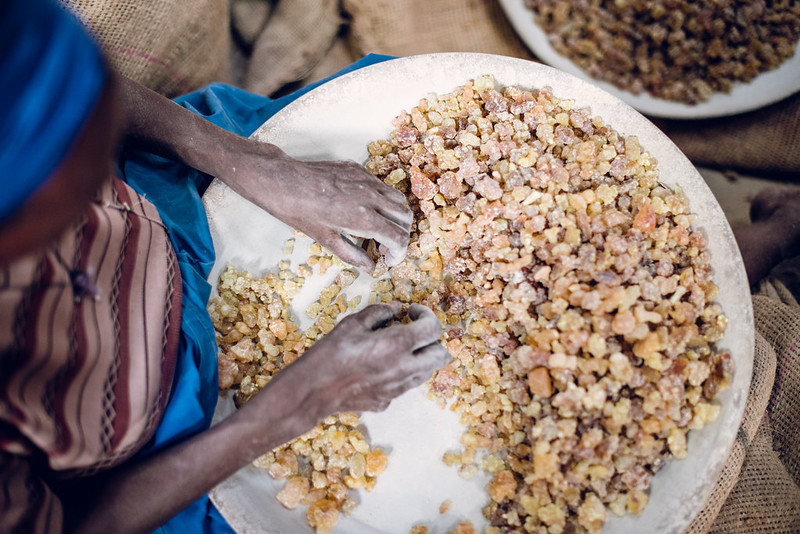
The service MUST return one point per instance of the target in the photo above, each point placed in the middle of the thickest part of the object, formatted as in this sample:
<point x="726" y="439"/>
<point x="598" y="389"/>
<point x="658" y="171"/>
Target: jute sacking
<point x="759" y="489"/>
<point x="767" y="139"/>
<point x="170" y="47"/>
<point x="409" y="27"/>
<point x="294" y="40"/>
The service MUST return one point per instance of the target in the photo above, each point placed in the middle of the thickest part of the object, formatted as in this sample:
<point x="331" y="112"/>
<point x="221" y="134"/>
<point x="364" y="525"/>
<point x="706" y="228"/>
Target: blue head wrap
<point x="51" y="75"/>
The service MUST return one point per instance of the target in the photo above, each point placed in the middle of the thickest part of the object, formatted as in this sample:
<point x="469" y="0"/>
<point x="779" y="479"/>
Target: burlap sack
<point x="172" y="47"/>
<point x="409" y="27"/>
<point x="338" y="57"/>
<point x="300" y="41"/>
<point x="248" y="18"/>
<point x="759" y="489"/>
<point x="780" y="322"/>
<point x="765" y="499"/>
<point x="760" y="387"/>
<point x="762" y="141"/>
<point x="296" y="37"/>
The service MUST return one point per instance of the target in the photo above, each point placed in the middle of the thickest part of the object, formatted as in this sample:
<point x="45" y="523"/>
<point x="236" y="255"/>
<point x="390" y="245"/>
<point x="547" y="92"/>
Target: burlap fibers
<point x="759" y="488"/>
<point x="765" y="141"/>
<point x="294" y="40"/>
<point x="171" y="47"/>
<point x="409" y="27"/>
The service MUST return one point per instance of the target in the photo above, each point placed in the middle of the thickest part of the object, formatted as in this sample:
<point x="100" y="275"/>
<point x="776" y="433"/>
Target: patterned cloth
<point x="88" y="336"/>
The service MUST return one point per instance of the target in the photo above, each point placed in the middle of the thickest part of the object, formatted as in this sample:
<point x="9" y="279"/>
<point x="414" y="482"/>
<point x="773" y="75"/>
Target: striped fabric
<point x="88" y="335"/>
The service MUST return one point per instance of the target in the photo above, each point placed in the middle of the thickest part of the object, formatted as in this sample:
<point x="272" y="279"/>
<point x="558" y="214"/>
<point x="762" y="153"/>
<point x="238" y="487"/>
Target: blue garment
<point x="46" y="60"/>
<point x="176" y="191"/>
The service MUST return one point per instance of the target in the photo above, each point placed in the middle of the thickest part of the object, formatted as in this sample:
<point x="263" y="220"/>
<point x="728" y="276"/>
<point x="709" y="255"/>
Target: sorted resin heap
<point x="674" y="49"/>
<point x="577" y="299"/>
<point x="257" y="338"/>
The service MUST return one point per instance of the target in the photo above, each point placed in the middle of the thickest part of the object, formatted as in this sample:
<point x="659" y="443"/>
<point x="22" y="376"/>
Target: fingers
<point x="350" y="253"/>
<point x="419" y="366"/>
<point x="419" y="311"/>
<point x="427" y="360"/>
<point x="393" y="256"/>
<point x="366" y="222"/>
<point x="370" y="405"/>
<point x="399" y="214"/>
<point x="385" y="190"/>
<point x="386" y="200"/>
<point x="397" y="358"/>
<point x="423" y="329"/>
<point x="391" y="194"/>
<point x="436" y="353"/>
<point x="392" y="238"/>
<point x="370" y="209"/>
<point x="377" y="315"/>
<point x="379" y="406"/>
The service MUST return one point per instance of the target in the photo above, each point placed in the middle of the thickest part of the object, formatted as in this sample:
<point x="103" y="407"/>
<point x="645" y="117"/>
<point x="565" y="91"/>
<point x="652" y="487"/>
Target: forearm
<point x="360" y="365"/>
<point x="326" y="200"/>
<point x="161" y="126"/>
<point x="140" y="497"/>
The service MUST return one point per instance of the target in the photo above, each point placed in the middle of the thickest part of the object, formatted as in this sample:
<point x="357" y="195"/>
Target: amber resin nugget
<point x="577" y="299"/>
<point x="257" y="338"/>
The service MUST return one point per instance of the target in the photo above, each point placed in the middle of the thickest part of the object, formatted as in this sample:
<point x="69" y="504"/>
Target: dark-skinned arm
<point x="361" y="365"/>
<point x="327" y="200"/>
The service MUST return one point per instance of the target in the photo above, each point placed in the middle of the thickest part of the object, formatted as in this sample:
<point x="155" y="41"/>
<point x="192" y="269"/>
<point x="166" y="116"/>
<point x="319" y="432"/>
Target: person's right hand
<point x="332" y="202"/>
<point x="362" y="364"/>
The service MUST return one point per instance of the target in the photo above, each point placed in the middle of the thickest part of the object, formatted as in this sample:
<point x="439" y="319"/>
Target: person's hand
<point x="330" y="201"/>
<point x="362" y="364"/>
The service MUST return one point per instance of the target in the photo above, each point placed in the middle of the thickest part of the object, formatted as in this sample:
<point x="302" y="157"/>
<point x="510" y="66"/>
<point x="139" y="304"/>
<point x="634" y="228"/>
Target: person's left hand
<point x="330" y="201"/>
<point x="367" y="360"/>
